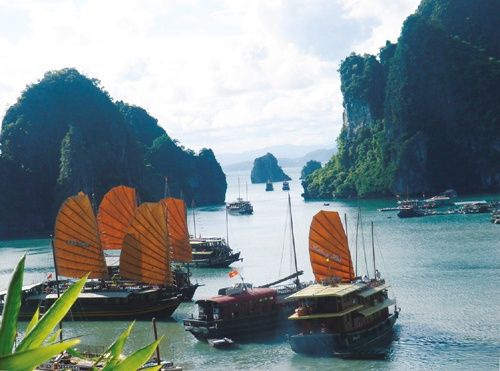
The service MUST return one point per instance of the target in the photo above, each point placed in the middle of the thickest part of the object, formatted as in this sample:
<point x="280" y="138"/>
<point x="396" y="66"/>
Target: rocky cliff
<point x="65" y="134"/>
<point x="266" y="168"/>
<point x="423" y="115"/>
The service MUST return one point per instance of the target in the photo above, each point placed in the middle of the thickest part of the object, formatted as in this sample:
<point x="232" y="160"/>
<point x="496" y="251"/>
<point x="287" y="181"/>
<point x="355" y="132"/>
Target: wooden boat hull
<point x="248" y="328"/>
<point x="216" y="261"/>
<point x="133" y="307"/>
<point x="187" y="292"/>
<point x="350" y="345"/>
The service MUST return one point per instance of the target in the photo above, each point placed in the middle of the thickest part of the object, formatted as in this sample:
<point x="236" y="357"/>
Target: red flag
<point x="233" y="273"/>
<point x="49" y="276"/>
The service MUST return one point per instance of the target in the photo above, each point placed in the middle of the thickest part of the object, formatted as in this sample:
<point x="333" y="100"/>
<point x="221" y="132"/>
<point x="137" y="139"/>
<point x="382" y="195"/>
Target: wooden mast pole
<point x="194" y="218"/>
<point x="297" y="281"/>
<point x="373" y="252"/>
<point x="57" y="284"/>
<point x="158" y="361"/>
<point x="356" y="239"/>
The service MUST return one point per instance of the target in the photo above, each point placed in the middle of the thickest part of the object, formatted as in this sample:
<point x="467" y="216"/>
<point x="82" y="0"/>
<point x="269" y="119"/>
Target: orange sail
<point x="115" y="215"/>
<point x="328" y="248"/>
<point x="77" y="248"/>
<point x="145" y="255"/>
<point x="178" y="233"/>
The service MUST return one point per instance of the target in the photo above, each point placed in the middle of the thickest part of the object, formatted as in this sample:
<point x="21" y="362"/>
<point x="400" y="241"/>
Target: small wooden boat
<point x="221" y="343"/>
<point x="247" y="313"/>
<point x="212" y="252"/>
<point x="240" y="207"/>
<point x="269" y="186"/>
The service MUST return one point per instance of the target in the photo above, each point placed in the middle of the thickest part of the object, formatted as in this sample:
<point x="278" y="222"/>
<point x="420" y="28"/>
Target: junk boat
<point x="145" y="286"/>
<point x="245" y="312"/>
<point x="341" y="314"/>
<point x="285" y="186"/>
<point x="212" y="252"/>
<point x="269" y="186"/>
<point x="115" y="215"/>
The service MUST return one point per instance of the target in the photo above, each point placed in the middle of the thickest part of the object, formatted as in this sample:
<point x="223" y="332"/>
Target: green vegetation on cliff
<point x="424" y="115"/>
<point x="65" y="134"/>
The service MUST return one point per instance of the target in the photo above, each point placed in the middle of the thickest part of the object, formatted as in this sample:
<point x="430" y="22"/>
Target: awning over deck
<point x="325" y="315"/>
<point x="378" y="307"/>
<point x="317" y="290"/>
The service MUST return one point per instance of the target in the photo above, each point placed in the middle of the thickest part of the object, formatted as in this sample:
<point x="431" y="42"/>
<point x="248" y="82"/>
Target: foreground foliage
<point x="40" y="344"/>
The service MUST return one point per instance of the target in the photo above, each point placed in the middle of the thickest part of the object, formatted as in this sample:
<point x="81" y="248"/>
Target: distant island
<point x="65" y="134"/>
<point x="266" y="168"/>
<point x="422" y="116"/>
<point x="320" y="155"/>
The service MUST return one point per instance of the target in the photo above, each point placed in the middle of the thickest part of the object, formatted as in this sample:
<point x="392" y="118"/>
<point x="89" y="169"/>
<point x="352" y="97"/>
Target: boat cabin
<point x="342" y="307"/>
<point x="238" y="301"/>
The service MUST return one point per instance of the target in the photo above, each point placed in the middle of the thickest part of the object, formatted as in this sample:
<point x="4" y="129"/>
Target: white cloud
<point x="232" y="75"/>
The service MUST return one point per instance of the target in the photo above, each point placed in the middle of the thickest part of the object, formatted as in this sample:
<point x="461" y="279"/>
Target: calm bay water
<point x="443" y="271"/>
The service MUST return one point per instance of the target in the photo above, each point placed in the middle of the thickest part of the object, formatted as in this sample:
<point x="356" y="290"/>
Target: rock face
<point x="422" y="116"/>
<point x="266" y="168"/>
<point x="65" y="134"/>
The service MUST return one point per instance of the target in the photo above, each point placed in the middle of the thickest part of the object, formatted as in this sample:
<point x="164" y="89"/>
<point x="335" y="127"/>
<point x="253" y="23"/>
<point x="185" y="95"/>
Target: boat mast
<point x="194" y="218"/>
<point x="297" y="281"/>
<point x="373" y="252"/>
<point x="356" y="244"/>
<point x="166" y="192"/>
<point x="155" y="332"/>
<point x="246" y="189"/>
<point x="239" y="193"/>
<point x="227" y="227"/>
<point x="57" y="284"/>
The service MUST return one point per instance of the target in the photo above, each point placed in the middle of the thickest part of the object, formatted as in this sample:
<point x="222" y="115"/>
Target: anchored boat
<point x="115" y="215"/>
<point x="269" y="186"/>
<point x="212" y="252"/>
<point x="145" y="288"/>
<point x="245" y="312"/>
<point x="341" y="314"/>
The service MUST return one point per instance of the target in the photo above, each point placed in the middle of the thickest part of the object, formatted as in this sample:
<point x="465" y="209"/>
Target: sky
<point x="230" y="75"/>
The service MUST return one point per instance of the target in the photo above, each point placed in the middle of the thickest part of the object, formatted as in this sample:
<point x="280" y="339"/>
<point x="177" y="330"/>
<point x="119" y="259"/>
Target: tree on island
<point x="310" y="167"/>
<point x="65" y="134"/>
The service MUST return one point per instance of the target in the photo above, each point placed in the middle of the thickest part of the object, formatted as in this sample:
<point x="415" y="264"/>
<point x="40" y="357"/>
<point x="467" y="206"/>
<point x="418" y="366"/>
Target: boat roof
<point x="205" y="239"/>
<point x="24" y="288"/>
<point x="318" y="290"/>
<point x="250" y="294"/>
<point x="482" y="202"/>
<point x="373" y="290"/>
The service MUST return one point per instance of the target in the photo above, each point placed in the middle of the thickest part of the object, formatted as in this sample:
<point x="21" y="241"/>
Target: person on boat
<point x="377" y="275"/>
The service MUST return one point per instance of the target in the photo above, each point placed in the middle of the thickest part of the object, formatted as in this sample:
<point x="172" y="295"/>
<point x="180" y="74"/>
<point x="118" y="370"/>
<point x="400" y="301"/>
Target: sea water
<point x="443" y="271"/>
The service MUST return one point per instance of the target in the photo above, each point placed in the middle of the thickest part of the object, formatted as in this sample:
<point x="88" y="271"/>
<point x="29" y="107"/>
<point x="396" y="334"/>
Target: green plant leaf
<point x="52" y="317"/>
<point x="34" y="320"/>
<point x="152" y="368"/>
<point x="115" y="350"/>
<point x="54" y="336"/>
<point x="31" y="358"/>
<point x="11" y="308"/>
<point x="136" y="359"/>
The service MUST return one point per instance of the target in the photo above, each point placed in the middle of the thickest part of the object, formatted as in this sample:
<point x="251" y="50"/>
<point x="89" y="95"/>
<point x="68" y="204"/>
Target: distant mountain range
<point x="285" y="155"/>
